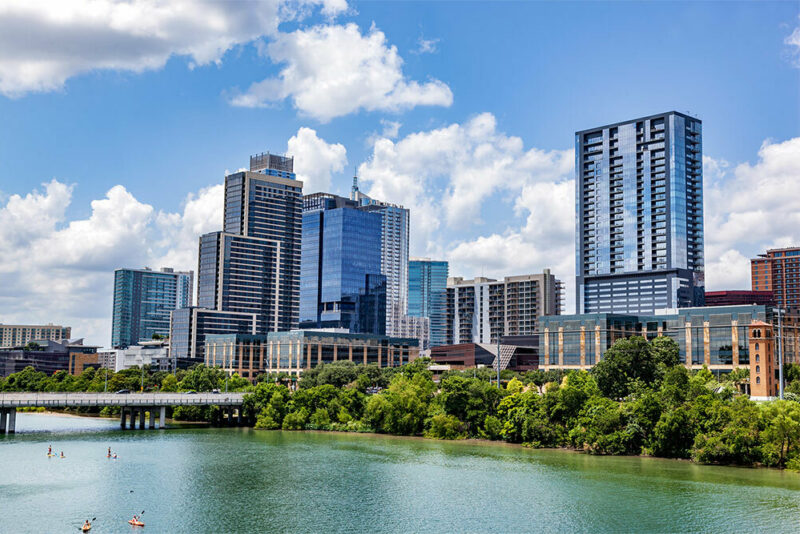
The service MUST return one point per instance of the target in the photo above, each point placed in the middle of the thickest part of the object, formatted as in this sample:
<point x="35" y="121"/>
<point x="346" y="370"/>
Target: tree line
<point x="637" y="400"/>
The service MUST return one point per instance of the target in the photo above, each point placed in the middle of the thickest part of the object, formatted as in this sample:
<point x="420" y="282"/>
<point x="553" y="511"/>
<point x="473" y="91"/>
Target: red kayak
<point x="135" y="523"/>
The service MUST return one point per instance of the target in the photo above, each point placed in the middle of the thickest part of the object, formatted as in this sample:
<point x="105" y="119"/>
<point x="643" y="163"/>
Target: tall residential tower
<point x="639" y="220"/>
<point x="427" y="297"/>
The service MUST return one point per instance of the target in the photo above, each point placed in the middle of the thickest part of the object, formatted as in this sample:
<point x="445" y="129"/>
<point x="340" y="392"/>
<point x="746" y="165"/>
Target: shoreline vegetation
<point x="637" y="401"/>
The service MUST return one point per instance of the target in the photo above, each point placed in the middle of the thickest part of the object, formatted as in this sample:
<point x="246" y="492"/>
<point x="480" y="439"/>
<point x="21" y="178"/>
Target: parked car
<point x="123" y="392"/>
<point x="214" y="391"/>
<point x="190" y="392"/>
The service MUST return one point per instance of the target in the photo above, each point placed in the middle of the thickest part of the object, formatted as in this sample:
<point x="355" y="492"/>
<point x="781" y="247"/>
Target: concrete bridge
<point x="133" y="404"/>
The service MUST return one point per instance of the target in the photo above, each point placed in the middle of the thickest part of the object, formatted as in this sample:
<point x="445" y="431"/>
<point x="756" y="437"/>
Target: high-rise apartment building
<point x="483" y="310"/>
<point x="16" y="335"/>
<point x="639" y="220"/>
<point x="395" y="227"/>
<point x="252" y="267"/>
<point x="143" y="300"/>
<point x="253" y="264"/>
<point x="778" y="271"/>
<point x="341" y="282"/>
<point x="427" y="297"/>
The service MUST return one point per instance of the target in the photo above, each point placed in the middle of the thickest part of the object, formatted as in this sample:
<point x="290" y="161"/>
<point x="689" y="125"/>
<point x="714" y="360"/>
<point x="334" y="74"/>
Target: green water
<point x="241" y="480"/>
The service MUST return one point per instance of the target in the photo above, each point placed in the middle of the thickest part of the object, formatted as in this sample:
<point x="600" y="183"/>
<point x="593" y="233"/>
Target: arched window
<point x="756" y="346"/>
<point x="758" y="358"/>
<point x="758" y="380"/>
<point x="758" y="368"/>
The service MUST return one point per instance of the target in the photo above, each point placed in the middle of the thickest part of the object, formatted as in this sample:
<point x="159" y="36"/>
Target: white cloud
<point x="463" y="164"/>
<point x="55" y="270"/>
<point x="315" y="160"/>
<point x="749" y="209"/>
<point x="334" y="70"/>
<point x="427" y="46"/>
<point x="45" y="42"/>
<point x="793" y="42"/>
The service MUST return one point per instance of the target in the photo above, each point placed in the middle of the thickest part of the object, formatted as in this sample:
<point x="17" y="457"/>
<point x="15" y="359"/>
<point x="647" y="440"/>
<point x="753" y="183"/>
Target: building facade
<point x="427" y="297"/>
<point x="143" y="300"/>
<point x="517" y="353"/>
<point x="778" y="271"/>
<point x="716" y="337"/>
<point x="341" y="285"/>
<point x="190" y="326"/>
<point x="299" y="350"/>
<point x="152" y="353"/>
<point x="483" y="310"/>
<point x="48" y="357"/>
<point x="739" y="298"/>
<point x="15" y="335"/>
<point x="251" y="269"/>
<point x="639" y="215"/>
<point x="395" y="228"/>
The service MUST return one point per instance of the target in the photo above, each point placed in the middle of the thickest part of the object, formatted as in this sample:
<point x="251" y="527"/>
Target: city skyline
<point x="485" y="168"/>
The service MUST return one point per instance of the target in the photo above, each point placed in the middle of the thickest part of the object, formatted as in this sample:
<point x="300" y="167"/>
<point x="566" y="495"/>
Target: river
<point x="194" y="480"/>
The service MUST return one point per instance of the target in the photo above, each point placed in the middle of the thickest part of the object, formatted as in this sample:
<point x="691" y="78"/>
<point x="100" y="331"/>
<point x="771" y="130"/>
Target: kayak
<point x="135" y="523"/>
<point x="86" y="529"/>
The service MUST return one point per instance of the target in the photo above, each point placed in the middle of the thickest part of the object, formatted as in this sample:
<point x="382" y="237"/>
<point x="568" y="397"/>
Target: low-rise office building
<point x="152" y="353"/>
<point x="517" y="353"/>
<point x="739" y="298"/>
<point x="716" y="337"/>
<point x="49" y="357"/>
<point x="294" y="351"/>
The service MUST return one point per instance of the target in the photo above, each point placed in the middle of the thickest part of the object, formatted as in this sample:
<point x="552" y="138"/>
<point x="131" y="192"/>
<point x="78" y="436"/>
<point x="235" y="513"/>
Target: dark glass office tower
<point x="639" y="215"/>
<point x="341" y="281"/>
<point x="253" y="264"/>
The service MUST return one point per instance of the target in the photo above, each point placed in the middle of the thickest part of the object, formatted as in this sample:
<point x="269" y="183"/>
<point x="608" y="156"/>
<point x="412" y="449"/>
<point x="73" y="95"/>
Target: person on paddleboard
<point x="62" y="454"/>
<point x="109" y="453"/>
<point x="49" y="450"/>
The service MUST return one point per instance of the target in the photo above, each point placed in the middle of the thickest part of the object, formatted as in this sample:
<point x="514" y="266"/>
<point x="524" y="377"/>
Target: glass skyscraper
<point x="395" y="227"/>
<point x="341" y="285"/>
<point x="427" y="297"/>
<point x="639" y="215"/>
<point x="143" y="300"/>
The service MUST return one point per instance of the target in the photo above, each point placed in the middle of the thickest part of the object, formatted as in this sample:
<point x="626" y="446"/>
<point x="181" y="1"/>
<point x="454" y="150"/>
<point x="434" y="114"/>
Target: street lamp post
<point x="498" y="362"/>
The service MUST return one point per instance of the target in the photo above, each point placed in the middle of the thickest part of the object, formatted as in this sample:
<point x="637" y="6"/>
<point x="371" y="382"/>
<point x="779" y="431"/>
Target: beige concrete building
<point x="16" y="335"/>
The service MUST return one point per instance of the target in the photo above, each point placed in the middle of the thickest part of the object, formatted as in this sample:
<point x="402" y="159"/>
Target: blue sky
<point x="143" y="117"/>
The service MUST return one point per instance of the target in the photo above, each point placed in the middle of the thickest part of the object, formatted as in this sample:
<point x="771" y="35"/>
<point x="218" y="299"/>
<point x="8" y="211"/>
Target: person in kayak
<point x="49" y="450"/>
<point x="135" y="519"/>
<point x="86" y="526"/>
<point x="115" y="456"/>
<point x="62" y="454"/>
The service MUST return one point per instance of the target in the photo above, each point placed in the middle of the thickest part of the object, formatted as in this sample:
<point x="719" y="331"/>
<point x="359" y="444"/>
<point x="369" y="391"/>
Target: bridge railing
<point x="56" y="400"/>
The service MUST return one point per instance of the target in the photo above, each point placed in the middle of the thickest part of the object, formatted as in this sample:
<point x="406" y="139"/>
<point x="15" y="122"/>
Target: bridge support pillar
<point x="123" y="415"/>
<point x="142" y="417"/>
<point x="162" y="417"/>
<point x="152" y="424"/>
<point x="3" y="412"/>
<point x="132" y="425"/>
<point x="239" y="416"/>
<point x="12" y="420"/>
<point x="230" y="415"/>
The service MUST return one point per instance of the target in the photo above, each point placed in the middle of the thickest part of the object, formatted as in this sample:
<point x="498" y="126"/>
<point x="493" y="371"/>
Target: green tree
<point x="626" y="360"/>
<point x="673" y="435"/>
<point x="781" y="432"/>
<point x="665" y="351"/>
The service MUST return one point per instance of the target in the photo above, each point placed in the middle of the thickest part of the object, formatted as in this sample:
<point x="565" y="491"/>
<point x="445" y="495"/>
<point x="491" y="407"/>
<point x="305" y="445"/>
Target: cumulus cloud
<point x="462" y="164"/>
<point x="334" y="70"/>
<point x="749" y="209"/>
<point x="45" y="42"/>
<point x="315" y="160"/>
<point x="56" y="270"/>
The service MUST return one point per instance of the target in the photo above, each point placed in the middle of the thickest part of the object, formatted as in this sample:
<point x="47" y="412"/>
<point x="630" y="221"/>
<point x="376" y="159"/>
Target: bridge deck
<point x="69" y="400"/>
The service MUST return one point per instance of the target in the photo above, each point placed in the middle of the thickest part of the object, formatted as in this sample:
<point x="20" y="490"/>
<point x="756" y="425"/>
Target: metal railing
<point x="20" y="400"/>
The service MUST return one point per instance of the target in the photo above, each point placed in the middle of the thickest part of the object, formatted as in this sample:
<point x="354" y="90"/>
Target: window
<point x="758" y="368"/>
<point x="758" y="358"/>
<point x="758" y="380"/>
